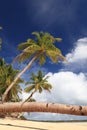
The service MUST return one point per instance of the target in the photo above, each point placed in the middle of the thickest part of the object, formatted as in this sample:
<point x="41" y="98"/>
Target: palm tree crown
<point x="38" y="83"/>
<point x="43" y="45"/>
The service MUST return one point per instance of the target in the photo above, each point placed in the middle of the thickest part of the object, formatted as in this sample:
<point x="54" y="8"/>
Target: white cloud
<point x="79" y="53"/>
<point x="77" y="58"/>
<point x="68" y="88"/>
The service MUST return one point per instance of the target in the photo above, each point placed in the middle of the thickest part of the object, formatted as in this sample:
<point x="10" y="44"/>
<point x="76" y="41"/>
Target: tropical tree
<point x="43" y="107"/>
<point x="27" y="48"/>
<point x="37" y="49"/>
<point x="37" y="83"/>
<point x="7" y="75"/>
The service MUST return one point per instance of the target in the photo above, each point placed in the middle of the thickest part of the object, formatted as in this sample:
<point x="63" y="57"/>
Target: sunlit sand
<point x="12" y="124"/>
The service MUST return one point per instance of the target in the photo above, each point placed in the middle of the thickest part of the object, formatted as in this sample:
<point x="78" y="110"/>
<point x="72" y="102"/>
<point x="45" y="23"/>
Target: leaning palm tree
<point x="38" y="83"/>
<point x="43" y="107"/>
<point x="7" y="75"/>
<point x="37" y="49"/>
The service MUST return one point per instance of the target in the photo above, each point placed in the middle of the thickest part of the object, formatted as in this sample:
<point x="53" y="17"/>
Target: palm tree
<point x="37" y="49"/>
<point x="7" y="75"/>
<point x="43" y="107"/>
<point x="38" y="83"/>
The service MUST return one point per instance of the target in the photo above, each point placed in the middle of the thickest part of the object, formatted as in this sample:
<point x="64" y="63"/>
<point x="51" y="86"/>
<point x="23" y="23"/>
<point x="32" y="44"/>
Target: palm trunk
<point x="28" y="99"/>
<point x="19" y="75"/>
<point x="32" y="94"/>
<point x="43" y="107"/>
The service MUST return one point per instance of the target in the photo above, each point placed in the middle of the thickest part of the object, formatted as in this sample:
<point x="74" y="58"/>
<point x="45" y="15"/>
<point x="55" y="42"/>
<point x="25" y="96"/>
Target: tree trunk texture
<point x="43" y="107"/>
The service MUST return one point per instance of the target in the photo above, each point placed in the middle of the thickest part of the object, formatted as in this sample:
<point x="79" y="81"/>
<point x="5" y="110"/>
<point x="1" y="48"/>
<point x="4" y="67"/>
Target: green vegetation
<point x="43" y="46"/>
<point x="38" y="83"/>
<point x="32" y="50"/>
<point x="36" y="50"/>
<point x="7" y="75"/>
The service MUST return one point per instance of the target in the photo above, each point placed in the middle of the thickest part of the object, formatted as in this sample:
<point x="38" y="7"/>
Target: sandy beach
<point x="12" y="124"/>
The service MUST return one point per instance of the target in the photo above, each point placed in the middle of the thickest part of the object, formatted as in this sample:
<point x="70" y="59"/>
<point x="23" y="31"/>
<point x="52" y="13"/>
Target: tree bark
<point x="18" y="76"/>
<point x="43" y="107"/>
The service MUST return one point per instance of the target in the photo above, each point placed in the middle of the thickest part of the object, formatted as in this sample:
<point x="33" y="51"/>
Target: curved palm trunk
<point x="43" y="107"/>
<point x="28" y="99"/>
<point x="31" y="94"/>
<point x="19" y="75"/>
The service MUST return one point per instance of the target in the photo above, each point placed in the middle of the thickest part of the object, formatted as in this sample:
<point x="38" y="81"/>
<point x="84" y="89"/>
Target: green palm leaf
<point x="26" y="44"/>
<point x="37" y="34"/>
<point x="47" y="87"/>
<point x="58" y="39"/>
<point x="42" y="59"/>
<point x="28" y="89"/>
<point x="32" y="49"/>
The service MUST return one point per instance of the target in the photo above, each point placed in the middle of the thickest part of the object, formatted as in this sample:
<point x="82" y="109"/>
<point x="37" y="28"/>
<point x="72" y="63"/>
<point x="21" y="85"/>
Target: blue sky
<point x="62" y="18"/>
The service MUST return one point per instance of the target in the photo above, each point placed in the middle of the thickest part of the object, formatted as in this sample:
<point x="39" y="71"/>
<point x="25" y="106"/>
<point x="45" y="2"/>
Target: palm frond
<point x="22" y="57"/>
<point x="26" y="44"/>
<point x="42" y="59"/>
<point x="47" y="38"/>
<point x="27" y="53"/>
<point x="37" y="34"/>
<point x="45" y="78"/>
<point x="40" y="90"/>
<point x="31" y="49"/>
<point x="52" y="55"/>
<point x="58" y="39"/>
<point x="28" y="89"/>
<point x="32" y="82"/>
<point x="47" y="86"/>
<point x="33" y="77"/>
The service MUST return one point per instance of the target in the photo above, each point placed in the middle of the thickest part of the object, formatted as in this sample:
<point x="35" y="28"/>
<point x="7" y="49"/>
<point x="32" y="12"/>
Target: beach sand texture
<point x="10" y="124"/>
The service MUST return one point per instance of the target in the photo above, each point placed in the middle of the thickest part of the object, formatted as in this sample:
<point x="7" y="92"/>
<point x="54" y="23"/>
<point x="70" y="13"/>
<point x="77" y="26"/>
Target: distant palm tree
<point x="37" y="49"/>
<point x="38" y="83"/>
<point x="7" y="75"/>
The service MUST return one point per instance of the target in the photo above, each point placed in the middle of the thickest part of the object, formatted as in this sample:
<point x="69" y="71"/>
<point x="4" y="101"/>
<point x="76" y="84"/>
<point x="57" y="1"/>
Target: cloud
<point x="77" y="57"/>
<point x="79" y="53"/>
<point x="68" y="88"/>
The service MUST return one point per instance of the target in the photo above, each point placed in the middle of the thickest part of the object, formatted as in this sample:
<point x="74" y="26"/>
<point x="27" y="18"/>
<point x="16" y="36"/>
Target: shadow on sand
<point x="23" y="126"/>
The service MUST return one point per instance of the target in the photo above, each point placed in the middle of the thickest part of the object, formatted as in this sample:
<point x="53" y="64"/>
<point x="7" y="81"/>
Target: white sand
<point x="10" y="124"/>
